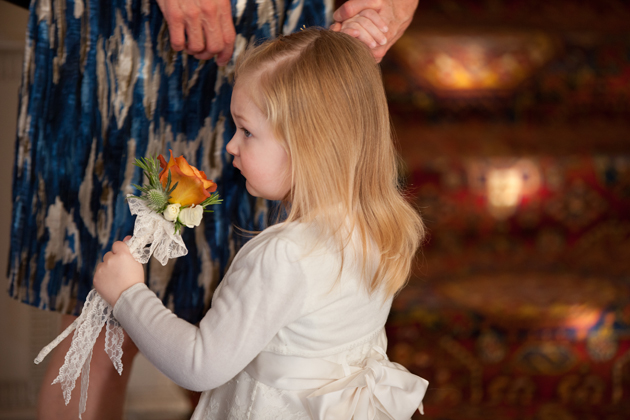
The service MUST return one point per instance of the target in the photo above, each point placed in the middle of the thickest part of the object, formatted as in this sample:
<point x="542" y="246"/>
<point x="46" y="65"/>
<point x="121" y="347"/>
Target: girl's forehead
<point x="246" y="95"/>
<point x="242" y="95"/>
<point x="251" y="77"/>
<point x="249" y="80"/>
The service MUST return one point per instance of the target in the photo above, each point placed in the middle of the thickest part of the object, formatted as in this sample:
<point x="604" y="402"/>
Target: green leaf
<point x="172" y="189"/>
<point x="178" y="226"/>
<point x="168" y="180"/>
<point x="213" y="199"/>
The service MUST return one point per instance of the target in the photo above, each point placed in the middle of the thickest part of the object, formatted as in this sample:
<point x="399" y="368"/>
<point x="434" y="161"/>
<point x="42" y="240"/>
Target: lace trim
<point x="152" y="235"/>
<point x="245" y="390"/>
<point x="87" y="327"/>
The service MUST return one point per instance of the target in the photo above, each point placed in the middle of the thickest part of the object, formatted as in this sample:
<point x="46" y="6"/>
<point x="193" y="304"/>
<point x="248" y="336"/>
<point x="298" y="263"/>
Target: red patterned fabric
<point x="519" y="307"/>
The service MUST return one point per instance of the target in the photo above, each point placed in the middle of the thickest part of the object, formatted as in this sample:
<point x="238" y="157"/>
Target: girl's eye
<point x="246" y="132"/>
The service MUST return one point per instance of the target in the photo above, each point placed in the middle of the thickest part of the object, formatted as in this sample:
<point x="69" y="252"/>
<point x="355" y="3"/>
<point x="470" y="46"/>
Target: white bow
<point x="153" y="234"/>
<point x="380" y="390"/>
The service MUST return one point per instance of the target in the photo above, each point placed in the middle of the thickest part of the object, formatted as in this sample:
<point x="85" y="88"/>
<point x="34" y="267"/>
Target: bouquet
<point x="177" y="195"/>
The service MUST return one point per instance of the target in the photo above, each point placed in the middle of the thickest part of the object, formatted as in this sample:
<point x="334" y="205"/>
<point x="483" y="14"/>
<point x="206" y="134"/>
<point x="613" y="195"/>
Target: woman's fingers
<point x="204" y="28"/>
<point x="176" y="25"/>
<point x="195" y="42"/>
<point x="213" y="38"/>
<point x="229" y="36"/>
<point x="396" y="14"/>
<point x="351" y="8"/>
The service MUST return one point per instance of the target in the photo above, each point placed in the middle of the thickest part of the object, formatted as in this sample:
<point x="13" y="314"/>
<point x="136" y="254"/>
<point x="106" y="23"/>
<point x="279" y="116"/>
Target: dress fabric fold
<point x="101" y="87"/>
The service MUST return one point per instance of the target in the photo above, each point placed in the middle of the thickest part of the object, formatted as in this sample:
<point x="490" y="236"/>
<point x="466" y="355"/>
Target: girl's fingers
<point x="355" y="30"/>
<point x="120" y="247"/>
<point x="107" y="256"/>
<point x="372" y="29"/>
<point x="372" y="38"/>
<point x="376" y="19"/>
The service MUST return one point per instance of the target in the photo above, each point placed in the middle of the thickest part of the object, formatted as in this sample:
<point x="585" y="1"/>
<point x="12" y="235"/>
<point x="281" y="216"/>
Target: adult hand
<point x="396" y="14"/>
<point x="202" y="28"/>
<point x="118" y="272"/>
<point x="367" y="26"/>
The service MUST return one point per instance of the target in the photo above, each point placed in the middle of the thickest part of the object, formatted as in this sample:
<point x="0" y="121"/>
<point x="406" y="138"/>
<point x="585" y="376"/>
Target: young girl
<point x="296" y="328"/>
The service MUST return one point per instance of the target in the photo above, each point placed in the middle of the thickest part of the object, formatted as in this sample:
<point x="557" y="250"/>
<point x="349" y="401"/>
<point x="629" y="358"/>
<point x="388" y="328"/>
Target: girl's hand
<point x="396" y="14"/>
<point x="367" y="26"/>
<point x="206" y="24"/>
<point x="118" y="272"/>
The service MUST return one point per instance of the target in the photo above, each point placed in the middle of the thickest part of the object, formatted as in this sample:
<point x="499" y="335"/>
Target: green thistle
<point x="157" y="199"/>
<point x="154" y="194"/>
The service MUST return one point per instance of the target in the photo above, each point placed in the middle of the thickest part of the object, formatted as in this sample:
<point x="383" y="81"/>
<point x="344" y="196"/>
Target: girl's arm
<point x="263" y="291"/>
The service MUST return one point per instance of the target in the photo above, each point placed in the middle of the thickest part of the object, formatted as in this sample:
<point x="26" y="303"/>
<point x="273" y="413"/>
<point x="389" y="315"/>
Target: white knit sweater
<point x="282" y="295"/>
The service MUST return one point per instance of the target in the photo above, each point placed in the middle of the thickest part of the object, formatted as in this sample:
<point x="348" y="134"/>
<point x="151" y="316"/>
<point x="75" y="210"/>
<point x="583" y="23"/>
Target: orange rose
<point x="193" y="187"/>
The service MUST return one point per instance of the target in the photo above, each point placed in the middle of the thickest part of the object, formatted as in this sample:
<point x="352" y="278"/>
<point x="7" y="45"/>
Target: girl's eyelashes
<point x="246" y="132"/>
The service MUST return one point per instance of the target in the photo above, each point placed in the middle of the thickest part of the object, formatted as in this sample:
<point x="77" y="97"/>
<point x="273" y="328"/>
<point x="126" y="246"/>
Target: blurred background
<point x="513" y="122"/>
<point x="513" y="119"/>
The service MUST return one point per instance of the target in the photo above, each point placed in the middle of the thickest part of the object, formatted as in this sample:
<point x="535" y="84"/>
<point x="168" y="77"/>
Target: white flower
<point x="191" y="216"/>
<point x="171" y="212"/>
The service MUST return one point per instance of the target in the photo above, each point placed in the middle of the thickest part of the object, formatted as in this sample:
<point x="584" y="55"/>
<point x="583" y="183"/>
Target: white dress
<point x="288" y="336"/>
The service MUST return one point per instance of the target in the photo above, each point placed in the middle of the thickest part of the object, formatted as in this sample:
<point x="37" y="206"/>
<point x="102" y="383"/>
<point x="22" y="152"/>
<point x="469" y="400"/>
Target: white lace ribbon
<point x="152" y="235"/>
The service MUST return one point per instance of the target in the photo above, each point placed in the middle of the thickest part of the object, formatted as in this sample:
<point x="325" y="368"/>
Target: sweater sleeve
<point x="264" y="290"/>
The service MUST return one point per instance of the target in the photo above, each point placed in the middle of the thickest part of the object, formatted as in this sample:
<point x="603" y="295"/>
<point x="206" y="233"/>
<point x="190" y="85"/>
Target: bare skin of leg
<point x="106" y="393"/>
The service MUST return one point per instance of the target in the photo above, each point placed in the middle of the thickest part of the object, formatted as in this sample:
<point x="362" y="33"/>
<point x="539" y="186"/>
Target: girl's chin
<point x="252" y="191"/>
<point x="258" y="194"/>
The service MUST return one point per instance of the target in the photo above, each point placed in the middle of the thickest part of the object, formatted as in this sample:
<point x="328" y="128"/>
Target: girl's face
<point x="257" y="152"/>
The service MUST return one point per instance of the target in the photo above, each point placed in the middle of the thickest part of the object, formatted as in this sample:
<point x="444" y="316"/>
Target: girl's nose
<point x="231" y="147"/>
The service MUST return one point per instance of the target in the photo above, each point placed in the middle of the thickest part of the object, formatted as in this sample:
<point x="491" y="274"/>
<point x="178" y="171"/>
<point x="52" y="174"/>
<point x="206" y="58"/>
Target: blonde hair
<point x="323" y="96"/>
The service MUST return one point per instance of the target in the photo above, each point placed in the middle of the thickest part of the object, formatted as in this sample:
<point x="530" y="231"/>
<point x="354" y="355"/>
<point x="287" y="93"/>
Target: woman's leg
<point x="106" y="394"/>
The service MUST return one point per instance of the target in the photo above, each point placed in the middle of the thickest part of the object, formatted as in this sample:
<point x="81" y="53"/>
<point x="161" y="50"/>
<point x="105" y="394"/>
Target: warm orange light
<point x="504" y="182"/>
<point x="473" y="63"/>
<point x="504" y="187"/>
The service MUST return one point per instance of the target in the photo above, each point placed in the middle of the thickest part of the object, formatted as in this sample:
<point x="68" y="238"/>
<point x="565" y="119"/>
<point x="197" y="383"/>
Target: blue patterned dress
<point x="101" y="86"/>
